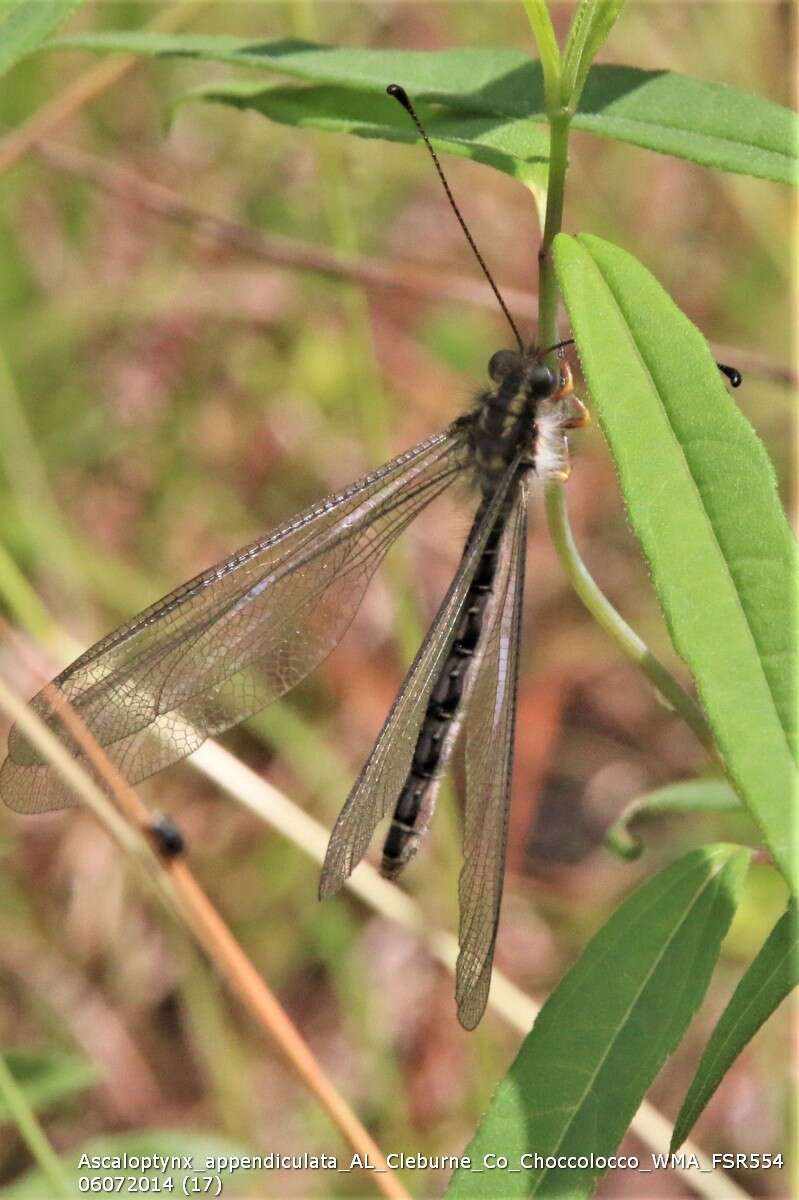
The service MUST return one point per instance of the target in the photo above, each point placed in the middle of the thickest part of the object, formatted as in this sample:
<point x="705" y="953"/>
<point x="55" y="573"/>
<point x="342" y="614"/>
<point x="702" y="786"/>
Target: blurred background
<point x="166" y="395"/>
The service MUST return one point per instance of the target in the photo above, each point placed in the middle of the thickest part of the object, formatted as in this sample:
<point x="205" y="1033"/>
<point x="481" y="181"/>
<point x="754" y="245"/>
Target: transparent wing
<point x="488" y="730"/>
<point x="377" y="788"/>
<point x="155" y="688"/>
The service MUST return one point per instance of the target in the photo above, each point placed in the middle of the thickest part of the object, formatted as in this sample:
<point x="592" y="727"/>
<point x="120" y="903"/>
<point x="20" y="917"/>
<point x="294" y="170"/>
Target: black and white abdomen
<point x="441" y="720"/>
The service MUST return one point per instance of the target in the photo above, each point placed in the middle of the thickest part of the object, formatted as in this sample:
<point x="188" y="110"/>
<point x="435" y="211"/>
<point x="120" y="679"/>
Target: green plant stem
<point x="556" y="190"/>
<point x="32" y="1133"/>
<point x="614" y="624"/>
<point x="598" y="605"/>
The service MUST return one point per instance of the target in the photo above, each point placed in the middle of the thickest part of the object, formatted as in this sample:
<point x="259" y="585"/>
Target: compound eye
<point x="501" y="363"/>
<point x="543" y="381"/>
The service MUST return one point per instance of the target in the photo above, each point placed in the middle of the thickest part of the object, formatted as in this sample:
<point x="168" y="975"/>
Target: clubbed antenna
<point x="732" y="373"/>
<point x="398" y="93"/>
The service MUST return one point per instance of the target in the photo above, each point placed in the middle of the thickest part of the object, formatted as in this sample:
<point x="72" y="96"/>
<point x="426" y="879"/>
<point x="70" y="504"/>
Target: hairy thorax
<point x="522" y="418"/>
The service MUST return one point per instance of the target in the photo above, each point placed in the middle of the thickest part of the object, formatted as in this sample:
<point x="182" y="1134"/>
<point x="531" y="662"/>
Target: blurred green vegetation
<point x="165" y="398"/>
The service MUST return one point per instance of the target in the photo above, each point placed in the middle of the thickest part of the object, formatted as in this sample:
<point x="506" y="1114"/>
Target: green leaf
<point x="708" y="123"/>
<point x="169" y="1145"/>
<point x="694" y="795"/>
<point x="591" y="24"/>
<point x="516" y="147"/>
<point x="547" y="43"/>
<point x="607" y="1029"/>
<point x="701" y="498"/>
<point x="25" y="25"/>
<point x="47" y="1077"/>
<point x="712" y="124"/>
<point x="769" y="979"/>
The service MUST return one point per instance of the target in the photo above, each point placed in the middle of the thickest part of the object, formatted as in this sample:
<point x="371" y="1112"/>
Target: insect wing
<point x="377" y="788"/>
<point x="155" y="688"/>
<point x="489" y="728"/>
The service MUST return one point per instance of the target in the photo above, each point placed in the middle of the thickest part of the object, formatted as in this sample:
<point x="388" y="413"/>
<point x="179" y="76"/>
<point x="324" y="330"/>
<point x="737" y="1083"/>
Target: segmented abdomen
<point x="442" y="716"/>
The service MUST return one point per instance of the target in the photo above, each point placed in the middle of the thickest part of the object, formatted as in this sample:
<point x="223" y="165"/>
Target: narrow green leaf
<point x="695" y="795"/>
<point x="701" y="498"/>
<point x="515" y="147"/>
<point x="769" y="979"/>
<point x="708" y="123"/>
<point x="25" y="25"/>
<point x="712" y="124"/>
<point x="591" y="24"/>
<point x="606" y="1030"/>
<point x="544" y="34"/>
<point x="105" y="1157"/>
<point x="47" y="1077"/>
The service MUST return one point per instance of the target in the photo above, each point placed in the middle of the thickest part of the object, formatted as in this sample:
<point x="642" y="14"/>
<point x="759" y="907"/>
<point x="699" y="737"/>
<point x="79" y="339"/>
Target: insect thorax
<point x="522" y="415"/>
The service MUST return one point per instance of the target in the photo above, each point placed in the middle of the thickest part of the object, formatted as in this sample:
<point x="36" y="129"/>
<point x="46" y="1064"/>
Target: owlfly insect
<point x="226" y="644"/>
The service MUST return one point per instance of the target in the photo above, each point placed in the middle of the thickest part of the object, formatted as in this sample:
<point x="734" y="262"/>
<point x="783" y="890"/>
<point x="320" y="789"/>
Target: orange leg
<point x="563" y="474"/>
<point x="575" y="416"/>
<point x="566" y="383"/>
<point x="579" y="415"/>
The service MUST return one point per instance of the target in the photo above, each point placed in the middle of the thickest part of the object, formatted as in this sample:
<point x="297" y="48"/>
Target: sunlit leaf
<point x="591" y="24"/>
<point x="770" y="978"/>
<point x="606" y="1030"/>
<point x="25" y="25"/>
<point x="515" y="147"/>
<point x="709" y="123"/>
<point x="548" y="49"/>
<point x="701" y="498"/>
